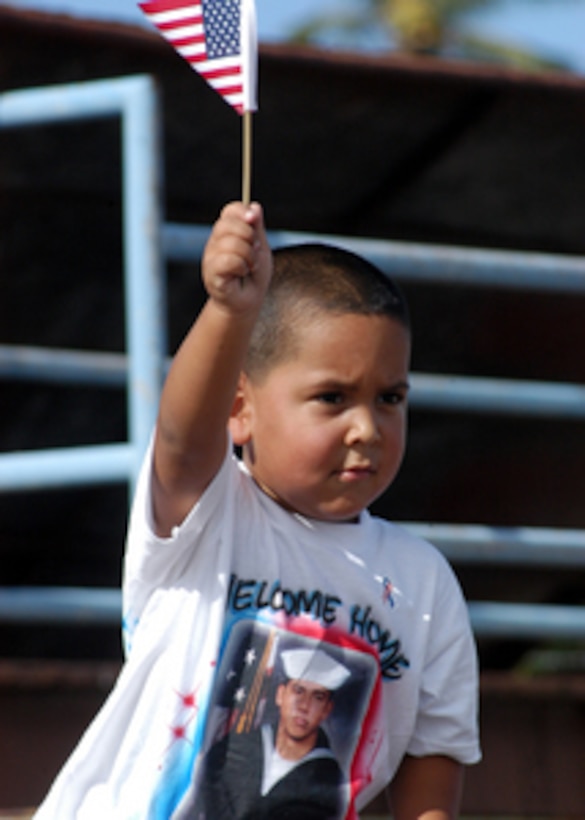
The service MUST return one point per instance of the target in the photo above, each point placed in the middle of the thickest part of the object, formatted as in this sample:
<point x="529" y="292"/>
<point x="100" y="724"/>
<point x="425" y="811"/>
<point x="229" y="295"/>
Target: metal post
<point x="144" y="285"/>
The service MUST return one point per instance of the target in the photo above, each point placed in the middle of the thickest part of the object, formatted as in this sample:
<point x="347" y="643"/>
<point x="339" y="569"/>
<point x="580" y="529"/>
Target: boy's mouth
<point x="356" y="472"/>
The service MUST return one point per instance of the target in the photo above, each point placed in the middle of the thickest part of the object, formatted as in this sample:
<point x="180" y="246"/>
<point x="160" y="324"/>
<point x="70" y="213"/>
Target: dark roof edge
<point x="397" y="63"/>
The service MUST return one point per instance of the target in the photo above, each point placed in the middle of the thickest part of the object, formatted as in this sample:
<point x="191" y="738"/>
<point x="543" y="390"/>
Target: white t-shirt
<point x="207" y="613"/>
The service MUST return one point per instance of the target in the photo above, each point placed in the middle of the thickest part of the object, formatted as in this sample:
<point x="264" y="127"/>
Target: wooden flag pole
<point x="247" y="157"/>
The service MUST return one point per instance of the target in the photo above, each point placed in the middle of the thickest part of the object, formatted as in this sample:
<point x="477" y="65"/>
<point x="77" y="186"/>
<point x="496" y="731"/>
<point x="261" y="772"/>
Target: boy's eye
<point x="392" y="397"/>
<point x="331" y="397"/>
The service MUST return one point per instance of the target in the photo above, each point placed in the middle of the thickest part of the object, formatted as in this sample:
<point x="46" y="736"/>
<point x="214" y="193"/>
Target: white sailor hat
<point x="315" y="666"/>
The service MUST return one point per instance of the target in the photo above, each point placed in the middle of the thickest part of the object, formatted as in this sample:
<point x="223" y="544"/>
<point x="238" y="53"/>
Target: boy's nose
<point x="363" y="426"/>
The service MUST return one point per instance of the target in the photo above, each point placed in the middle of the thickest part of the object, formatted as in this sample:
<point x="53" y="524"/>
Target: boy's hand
<point x="237" y="263"/>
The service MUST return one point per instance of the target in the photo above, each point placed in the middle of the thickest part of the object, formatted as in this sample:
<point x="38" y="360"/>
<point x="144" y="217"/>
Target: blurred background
<point x="451" y="132"/>
<point x="525" y="33"/>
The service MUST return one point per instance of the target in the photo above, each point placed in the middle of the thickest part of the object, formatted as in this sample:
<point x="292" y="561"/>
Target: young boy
<point x="236" y="567"/>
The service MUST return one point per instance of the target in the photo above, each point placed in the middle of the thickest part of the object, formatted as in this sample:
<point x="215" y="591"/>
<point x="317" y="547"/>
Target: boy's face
<point x="324" y="431"/>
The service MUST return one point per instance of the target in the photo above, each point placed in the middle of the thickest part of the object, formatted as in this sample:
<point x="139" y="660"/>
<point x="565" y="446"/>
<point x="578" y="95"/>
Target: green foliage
<point x="418" y="27"/>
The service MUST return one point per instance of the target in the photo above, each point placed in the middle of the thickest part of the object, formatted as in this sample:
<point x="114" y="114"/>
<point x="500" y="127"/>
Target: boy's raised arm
<point x="197" y="398"/>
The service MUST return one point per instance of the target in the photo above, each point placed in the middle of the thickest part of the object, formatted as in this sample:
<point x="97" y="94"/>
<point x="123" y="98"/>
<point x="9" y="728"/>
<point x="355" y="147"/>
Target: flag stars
<point x="222" y="28"/>
<point x="240" y="695"/>
<point x="250" y="657"/>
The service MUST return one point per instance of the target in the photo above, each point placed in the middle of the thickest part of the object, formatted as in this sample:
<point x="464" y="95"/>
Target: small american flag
<point x="217" y="38"/>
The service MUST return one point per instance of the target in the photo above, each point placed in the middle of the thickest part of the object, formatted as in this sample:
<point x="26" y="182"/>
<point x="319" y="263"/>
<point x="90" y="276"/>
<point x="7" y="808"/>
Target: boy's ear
<point x="239" y="423"/>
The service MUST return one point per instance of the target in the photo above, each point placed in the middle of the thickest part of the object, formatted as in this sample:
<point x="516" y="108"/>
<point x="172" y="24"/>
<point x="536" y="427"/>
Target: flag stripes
<point x="208" y="34"/>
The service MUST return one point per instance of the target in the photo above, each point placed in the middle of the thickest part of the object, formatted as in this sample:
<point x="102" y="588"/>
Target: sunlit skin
<point x="303" y="708"/>
<point x="324" y="431"/>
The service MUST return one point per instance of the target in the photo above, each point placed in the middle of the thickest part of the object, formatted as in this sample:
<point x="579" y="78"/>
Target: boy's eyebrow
<point x="401" y="385"/>
<point x="335" y="382"/>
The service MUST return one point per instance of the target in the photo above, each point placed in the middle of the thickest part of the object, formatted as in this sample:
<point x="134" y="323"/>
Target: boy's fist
<point x="237" y="262"/>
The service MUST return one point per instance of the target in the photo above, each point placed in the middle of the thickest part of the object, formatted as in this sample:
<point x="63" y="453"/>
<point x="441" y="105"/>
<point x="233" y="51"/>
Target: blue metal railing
<point x="441" y="264"/>
<point x="147" y="244"/>
<point x="103" y="607"/>
<point x="134" y="101"/>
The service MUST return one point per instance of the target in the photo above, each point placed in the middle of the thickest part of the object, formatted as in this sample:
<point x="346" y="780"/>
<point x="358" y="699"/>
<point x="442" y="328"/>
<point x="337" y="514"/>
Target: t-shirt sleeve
<point x="151" y="561"/>
<point x="447" y="717"/>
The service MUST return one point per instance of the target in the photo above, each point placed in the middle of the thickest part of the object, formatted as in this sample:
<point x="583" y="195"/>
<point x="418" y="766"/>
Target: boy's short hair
<point x="309" y="279"/>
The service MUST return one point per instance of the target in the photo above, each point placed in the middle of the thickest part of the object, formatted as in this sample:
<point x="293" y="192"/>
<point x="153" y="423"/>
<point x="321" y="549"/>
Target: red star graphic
<point x="179" y="732"/>
<point x="189" y="700"/>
